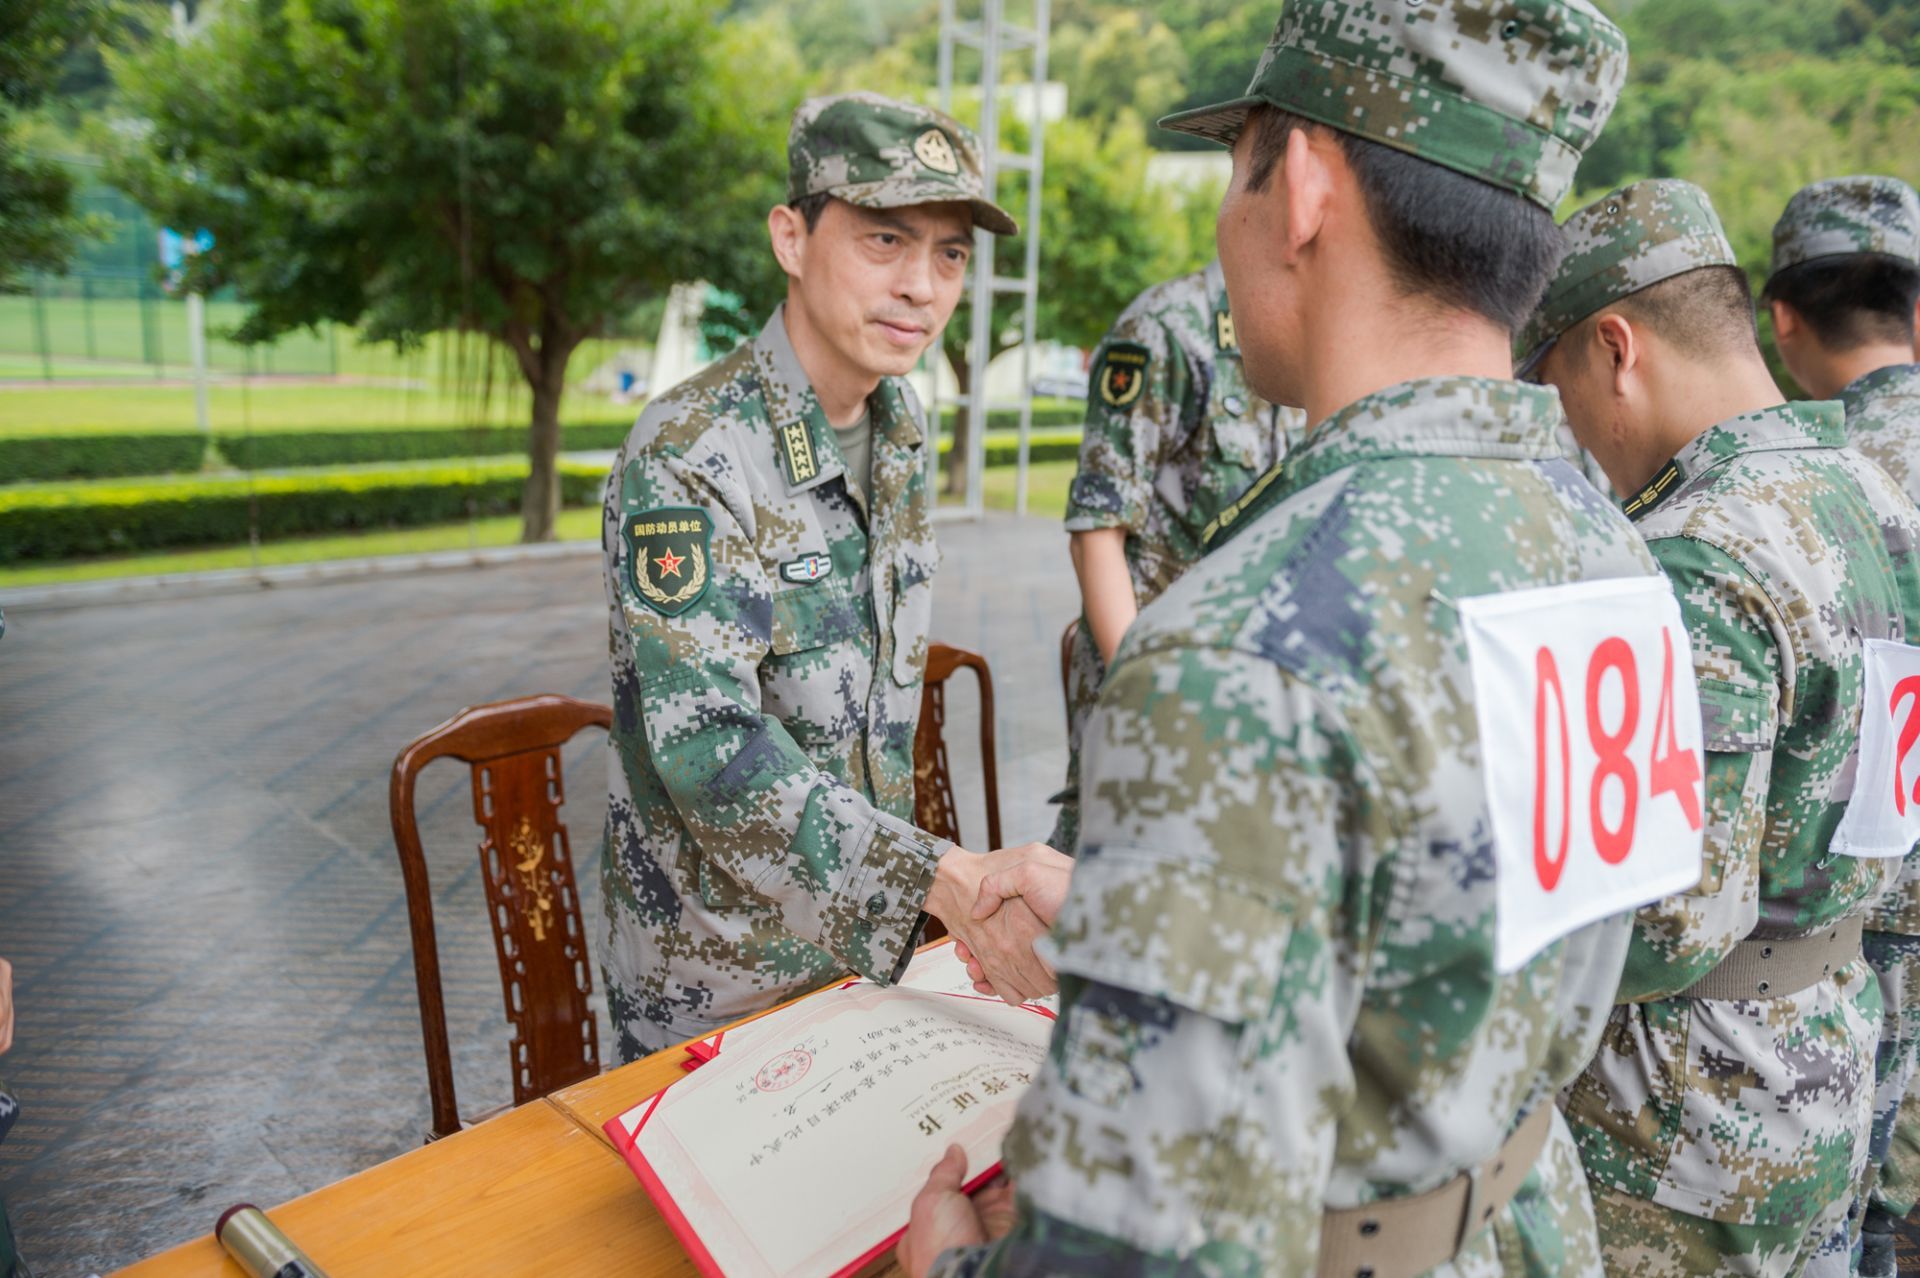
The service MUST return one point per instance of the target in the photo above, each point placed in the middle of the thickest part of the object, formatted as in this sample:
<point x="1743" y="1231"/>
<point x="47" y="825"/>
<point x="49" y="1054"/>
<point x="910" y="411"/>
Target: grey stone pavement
<point x="198" y="888"/>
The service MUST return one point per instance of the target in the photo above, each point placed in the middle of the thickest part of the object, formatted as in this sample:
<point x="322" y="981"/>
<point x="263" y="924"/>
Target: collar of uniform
<point x="1427" y="417"/>
<point x="1434" y="417"/>
<point x="1224" y="338"/>
<point x="1861" y="390"/>
<point x="792" y="402"/>
<point x="1804" y="423"/>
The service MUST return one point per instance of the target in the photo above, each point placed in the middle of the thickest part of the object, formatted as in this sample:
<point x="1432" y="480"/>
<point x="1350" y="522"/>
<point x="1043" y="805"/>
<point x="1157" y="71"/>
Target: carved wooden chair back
<point x="933" y="805"/>
<point x="526" y="864"/>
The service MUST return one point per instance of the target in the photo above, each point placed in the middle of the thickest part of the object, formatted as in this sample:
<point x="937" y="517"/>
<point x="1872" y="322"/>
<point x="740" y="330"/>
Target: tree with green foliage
<point x="1106" y="234"/>
<point x="38" y="224"/>
<point x="521" y="169"/>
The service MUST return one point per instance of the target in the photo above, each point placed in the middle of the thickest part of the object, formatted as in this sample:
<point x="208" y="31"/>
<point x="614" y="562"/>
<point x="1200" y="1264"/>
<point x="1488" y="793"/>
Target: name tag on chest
<point x="1591" y="750"/>
<point x="1883" y="816"/>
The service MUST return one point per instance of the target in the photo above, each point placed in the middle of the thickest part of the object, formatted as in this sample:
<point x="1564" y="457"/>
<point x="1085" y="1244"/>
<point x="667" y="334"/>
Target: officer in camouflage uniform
<point x="1845" y="277"/>
<point x="1723" y="1122"/>
<point x="769" y="608"/>
<point x="1173" y="435"/>
<point x="1283" y="1046"/>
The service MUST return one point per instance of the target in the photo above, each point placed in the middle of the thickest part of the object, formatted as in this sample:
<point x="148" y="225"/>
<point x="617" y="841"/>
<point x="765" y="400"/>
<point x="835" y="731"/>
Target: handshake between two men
<point x="997" y="905"/>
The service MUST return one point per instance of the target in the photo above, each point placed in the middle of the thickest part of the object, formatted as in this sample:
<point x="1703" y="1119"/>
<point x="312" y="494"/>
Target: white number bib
<point x="1591" y="739"/>
<point x="1883" y="816"/>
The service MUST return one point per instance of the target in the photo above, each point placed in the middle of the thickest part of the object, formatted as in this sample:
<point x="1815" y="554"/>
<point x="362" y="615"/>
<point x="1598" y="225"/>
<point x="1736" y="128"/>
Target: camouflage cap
<point x="1621" y="243"/>
<point x="881" y="153"/>
<point x="1848" y="215"/>
<point x="1507" y="91"/>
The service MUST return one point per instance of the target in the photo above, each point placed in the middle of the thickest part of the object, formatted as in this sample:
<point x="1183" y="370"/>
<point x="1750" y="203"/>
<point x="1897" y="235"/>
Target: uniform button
<point x="1234" y="404"/>
<point x="1368" y="1228"/>
<point x="1765" y="986"/>
<point x="877" y="903"/>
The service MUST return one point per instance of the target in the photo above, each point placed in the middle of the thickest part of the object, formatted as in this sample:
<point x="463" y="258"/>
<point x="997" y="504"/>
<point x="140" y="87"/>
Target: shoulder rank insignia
<point x="1122" y="374"/>
<point x="667" y="552"/>
<point x="796" y="447"/>
<point x="1223" y="335"/>
<point x="807" y="569"/>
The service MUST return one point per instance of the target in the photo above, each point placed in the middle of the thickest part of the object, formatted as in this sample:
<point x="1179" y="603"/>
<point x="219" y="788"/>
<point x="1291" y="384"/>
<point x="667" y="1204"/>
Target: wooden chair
<point x="1067" y="637"/>
<point x="526" y="863"/>
<point x="933" y="806"/>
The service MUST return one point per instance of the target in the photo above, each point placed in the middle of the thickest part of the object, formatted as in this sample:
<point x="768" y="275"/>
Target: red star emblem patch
<point x="669" y="563"/>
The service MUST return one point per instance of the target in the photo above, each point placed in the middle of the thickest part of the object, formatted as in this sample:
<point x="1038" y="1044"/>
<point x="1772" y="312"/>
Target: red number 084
<point x="1670" y="770"/>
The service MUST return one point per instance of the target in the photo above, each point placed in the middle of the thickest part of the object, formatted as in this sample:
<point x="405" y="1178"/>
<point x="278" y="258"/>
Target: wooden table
<point x="529" y="1192"/>
<point x="538" y="1190"/>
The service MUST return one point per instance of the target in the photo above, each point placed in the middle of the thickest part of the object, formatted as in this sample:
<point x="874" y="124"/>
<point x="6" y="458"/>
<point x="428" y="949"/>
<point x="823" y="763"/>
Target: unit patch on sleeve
<point x="807" y="569"/>
<point x="1122" y="374"/>
<point x="667" y="556"/>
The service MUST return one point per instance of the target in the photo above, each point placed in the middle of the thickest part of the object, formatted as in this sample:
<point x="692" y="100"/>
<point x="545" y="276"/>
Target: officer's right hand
<point x="1002" y="944"/>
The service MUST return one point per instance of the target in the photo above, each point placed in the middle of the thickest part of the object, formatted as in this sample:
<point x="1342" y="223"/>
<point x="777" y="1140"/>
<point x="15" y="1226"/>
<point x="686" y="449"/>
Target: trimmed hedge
<point x="274" y="450"/>
<point x="115" y="518"/>
<point x="1057" y="413"/>
<point x="1003" y="447"/>
<point x="63" y="457"/>
<point x="58" y="457"/>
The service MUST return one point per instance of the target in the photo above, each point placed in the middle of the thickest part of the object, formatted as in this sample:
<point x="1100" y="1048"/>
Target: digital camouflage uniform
<point x="1842" y="217"/>
<point x="1277" y="981"/>
<point x="768" y="638"/>
<point x="1724" y="1135"/>
<point x="1173" y="434"/>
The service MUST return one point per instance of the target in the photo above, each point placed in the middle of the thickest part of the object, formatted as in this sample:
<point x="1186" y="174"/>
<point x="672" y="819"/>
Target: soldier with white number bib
<point x="1291" y="1038"/>
<point x="1724" y="1121"/>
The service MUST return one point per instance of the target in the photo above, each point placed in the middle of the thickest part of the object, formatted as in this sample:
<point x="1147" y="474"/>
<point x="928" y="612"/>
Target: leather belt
<point x="1405" y="1237"/>
<point x="1782" y="966"/>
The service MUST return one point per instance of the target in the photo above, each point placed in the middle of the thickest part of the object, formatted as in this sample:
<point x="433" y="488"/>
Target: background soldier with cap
<point x="769" y="565"/>
<point x="1723" y="1122"/>
<point x="1283" y="1045"/>
<point x="1173" y="435"/>
<point x="1843" y="291"/>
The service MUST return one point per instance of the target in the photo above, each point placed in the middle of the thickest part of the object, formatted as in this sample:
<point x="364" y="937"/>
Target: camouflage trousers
<point x="1895" y="959"/>
<point x="1645" y="1240"/>
<point x="1085" y="671"/>
<point x="1742" y="1123"/>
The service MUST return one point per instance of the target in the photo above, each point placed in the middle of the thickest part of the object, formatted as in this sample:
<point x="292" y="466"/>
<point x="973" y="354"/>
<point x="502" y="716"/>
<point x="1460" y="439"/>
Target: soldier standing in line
<point x="1723" y="1123"/>
<point x="1173" y="435"/>
<point x="769" y="571"/>
<point x="1284" y="1046"/>
<point x="1843" y="290"/>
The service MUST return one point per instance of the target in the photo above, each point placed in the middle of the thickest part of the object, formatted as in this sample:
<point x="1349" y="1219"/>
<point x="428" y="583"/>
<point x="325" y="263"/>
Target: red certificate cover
<point x="796" y="1149"/>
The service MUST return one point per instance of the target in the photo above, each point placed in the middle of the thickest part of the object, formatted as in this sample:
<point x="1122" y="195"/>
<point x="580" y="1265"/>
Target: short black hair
<point x="1852" y="299"/>
<point x="811" y="207"/>
<point x="1446" y="235"/>
<point x="1705" y="314"/>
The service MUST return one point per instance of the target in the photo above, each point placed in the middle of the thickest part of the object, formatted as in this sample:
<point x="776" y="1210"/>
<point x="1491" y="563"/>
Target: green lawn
<point x="1046" y="498"/>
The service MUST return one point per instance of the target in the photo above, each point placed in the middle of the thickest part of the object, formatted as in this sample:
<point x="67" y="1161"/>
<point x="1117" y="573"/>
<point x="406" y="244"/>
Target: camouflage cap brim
<point x="1220" y="123"/>
<point x="892" y="194"/>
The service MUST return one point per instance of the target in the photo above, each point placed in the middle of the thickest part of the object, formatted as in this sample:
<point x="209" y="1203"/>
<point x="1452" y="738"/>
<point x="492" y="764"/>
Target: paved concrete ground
<point x="198" y="888"/>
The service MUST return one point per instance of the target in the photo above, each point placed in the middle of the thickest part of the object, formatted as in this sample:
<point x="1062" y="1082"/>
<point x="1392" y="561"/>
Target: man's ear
<point x="1786" y="321"/>
<point x="1308" y="193"/>
<point x="787" y="229"/>
<point x="1616" y="342"/>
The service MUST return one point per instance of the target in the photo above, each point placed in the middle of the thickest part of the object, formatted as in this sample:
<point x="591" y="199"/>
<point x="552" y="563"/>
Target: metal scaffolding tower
<point x="996" y="40"/>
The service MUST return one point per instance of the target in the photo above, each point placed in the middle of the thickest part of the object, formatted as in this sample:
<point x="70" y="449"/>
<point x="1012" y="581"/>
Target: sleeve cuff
<point x="873" y="920"/>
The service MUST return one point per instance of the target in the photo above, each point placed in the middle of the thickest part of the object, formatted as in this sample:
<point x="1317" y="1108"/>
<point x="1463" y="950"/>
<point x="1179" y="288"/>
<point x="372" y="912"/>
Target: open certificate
<point x="798" y="1148"/>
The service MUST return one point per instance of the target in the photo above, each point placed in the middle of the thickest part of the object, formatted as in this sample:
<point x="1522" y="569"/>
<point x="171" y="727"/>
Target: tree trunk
<point x="540" y="507"/>
<point x="954" y="466"/>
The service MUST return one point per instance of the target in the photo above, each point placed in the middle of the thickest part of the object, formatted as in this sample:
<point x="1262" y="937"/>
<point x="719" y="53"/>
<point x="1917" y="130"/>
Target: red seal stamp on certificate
<point x="783" y="1071"/>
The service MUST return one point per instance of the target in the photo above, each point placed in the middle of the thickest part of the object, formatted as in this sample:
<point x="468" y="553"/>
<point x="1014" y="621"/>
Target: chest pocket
<point x="815" y="676"/>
